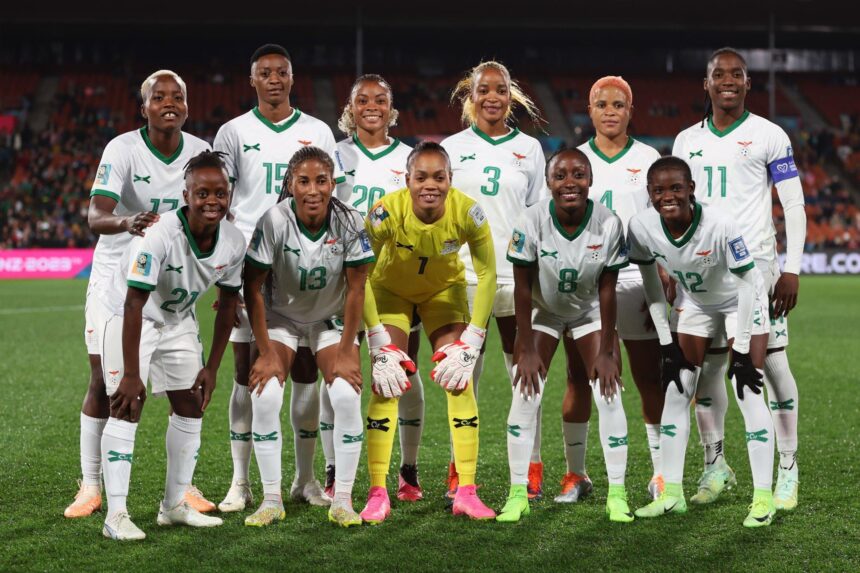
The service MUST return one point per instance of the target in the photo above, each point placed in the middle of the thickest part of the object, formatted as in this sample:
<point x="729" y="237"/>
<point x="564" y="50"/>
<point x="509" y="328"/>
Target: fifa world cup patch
<point x="518" y="242"/>
<point x="256" y="238"/>
<point x="450" y="246"/>
<point x="477" y="215"/>
<point x="364" y="242"/>
<point x="377" y="215"/>
<point x="142" y="264"/>
<point x="738" y="249"/>
<point x="103" y="174"/>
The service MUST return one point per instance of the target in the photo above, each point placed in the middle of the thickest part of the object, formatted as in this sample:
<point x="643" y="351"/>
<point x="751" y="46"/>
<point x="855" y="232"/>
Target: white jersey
<point x="569" y="265"/>
<point x="621" y="183"/>
<point x="139" y="178"/>
<point x="504" y="175"/>
<point x="308" y="277"/>
<point x="735" y="170"/>
<point x="370" y="174"/>
<point x="168" y="263"/>
<point x="699" y="261"/>
<point x="257" y="154"/>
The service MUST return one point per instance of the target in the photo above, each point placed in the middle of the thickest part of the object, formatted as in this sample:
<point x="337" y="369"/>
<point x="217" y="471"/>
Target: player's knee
<point x="345" y="401"/>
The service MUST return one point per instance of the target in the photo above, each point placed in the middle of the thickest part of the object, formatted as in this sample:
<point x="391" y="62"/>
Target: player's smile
<point x="311" y="186"/>
<point x="672" y="195"/>
<point x="166" y="108"/>
<point x="491" y="96"/>
<point x="727" y="82"/>
<point x="207" y="196"/>
<point x="429" y="180"/>
<point x="371" y="105"/>
<point x="569" y="180"/>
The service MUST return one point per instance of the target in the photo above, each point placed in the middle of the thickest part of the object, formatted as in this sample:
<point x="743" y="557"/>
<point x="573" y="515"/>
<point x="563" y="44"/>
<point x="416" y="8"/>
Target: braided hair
<point x="203" y="160"/>
<point x="709" y="106"/>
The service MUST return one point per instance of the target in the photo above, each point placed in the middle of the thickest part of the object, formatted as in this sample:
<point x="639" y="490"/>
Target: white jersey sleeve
<point x="522" y="248"/>
<point x="261" y="249"/>
<point x="225" y="142"/>
<point x="114" y="171"/>
<point x="145" y="258"/>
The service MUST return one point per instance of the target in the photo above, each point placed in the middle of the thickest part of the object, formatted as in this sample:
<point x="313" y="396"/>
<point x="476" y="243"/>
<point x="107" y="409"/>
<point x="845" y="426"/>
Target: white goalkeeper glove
<point x="457" y="360"/>
<point x="390" y="366"/>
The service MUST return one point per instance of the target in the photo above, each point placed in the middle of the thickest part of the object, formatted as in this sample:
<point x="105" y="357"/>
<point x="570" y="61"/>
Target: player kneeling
<point x="566" y="252"/>
<point x="154" y="335"/>
<point x="701" y="249"/>
<point x="305" y="272"/>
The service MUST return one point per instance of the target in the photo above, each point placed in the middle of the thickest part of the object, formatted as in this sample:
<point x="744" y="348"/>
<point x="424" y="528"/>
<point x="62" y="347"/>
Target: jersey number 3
<point x="493" y="180"/>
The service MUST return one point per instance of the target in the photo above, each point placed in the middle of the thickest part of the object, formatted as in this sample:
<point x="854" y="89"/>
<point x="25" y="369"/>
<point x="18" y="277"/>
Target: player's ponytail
<point x="462" y="94"/>
<point x="709" y="105"/>
<point x="347" y="124"/>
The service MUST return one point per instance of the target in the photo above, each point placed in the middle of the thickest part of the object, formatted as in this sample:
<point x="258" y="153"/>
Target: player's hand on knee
<point x="457" y="360"/>
<point x="204" y="386"/>
<point x="672" y="361"/>
<point x="127" y="402"/>
<point x="390" y="366"/>
<point x="529" y="373"/>
<point x="608" y="376"/>
<point x="745" y="373"/>
<point x="784" y="297"/>
<point x="266" y="367"/>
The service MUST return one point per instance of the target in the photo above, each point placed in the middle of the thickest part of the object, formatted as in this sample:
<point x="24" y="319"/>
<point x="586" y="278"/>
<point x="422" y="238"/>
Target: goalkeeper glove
<point x="390" y="366"/>
<point x="457" y="359"/>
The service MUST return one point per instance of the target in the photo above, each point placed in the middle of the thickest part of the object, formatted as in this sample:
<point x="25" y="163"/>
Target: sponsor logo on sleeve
<point x="477" y="215"/>
<point x="739" y="249"/>
<point x="142" y="264"/>
<point x="518" y="242"/>
<point x="103" y="174"/>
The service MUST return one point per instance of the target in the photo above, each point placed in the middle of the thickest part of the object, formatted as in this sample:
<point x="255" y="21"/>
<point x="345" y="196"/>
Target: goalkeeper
<point x="416" y="234"/>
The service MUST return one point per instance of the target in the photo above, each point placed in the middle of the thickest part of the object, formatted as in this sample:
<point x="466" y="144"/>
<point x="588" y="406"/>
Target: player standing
<point x="153" y="334"/>
<point x="139" y="177"/>
<point x="258" y="146"/>
<point x="567" y="251"/>
<point x="736" y="157"/>
<point x="502" y="169"/>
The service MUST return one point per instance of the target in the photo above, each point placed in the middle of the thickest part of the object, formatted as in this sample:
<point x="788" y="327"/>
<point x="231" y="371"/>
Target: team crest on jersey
<point x="377" y="215"/>
<point x="364" y="241"/>
<point x="333" y="245"/>
<point x="103" y="174"/>
<point x="219" y="272"/>
<point x="738" y="249"/>
<point x="635" y="176"/>
<point x="518" y="159"/>
<point x="477" y="215"/>
<point x="450" y="246"/>
<point x="706" y="258"/>
<point x="397" y="177"/>
<point x="142" y="265"/>
<point x="305" y="142"/>
<point x="518" y="242"/>
<point x="745" y="148"/>
<point x="596" y="254"/>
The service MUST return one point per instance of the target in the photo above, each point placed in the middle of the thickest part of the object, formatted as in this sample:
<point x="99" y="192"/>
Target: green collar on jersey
<point x="589" y="207"/>
<point x="688" y="234"/>
<point x="304" y="230"/>
<point x="144" y="133"/>
<point x="514" y="132"/>
<point x="730" y="128"/>
<point x="275" y="127"/>
<point x="617" y="156"/>
<point x="374" y="156"/>
<point x="197" y="252"/>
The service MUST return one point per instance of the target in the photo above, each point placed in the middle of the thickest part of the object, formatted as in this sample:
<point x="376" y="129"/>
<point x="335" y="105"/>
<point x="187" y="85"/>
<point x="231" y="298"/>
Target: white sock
<point x="326" y="424"/>
<point x="183" y="443"/>
<point x="91" y="449"/>
<point x="117" y="452"/>
<point x="410" y="417"/>
<point x="613" y="434"/>
<point x="348" y="434"/>
<point x="712" y="403"/>
<point x="522" y="419"/>
<point x="305" y="419"/>
<point x="536" y="459"/>
<point x="653" y="433"/>
<point x="759" y="427"/>
<point x="266" y="430"/>
<point x="240" y="431"/>
<point x="783" y="401"/>
<point x="675" y="427"/>
<point x="575" y="444"/>
<point x="509" y="365"/>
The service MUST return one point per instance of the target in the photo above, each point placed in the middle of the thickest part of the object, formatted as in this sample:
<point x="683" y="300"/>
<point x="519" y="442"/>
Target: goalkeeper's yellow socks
<point x="381" y="422"/>
<point x="463" y="421"/>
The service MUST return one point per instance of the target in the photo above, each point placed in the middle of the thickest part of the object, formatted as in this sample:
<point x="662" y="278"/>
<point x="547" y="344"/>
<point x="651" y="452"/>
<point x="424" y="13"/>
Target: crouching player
<point x="701" y="249"/>
<point x="305" y="273"/>
<point x="566" y="251"/>
<point x="154" y="335"/>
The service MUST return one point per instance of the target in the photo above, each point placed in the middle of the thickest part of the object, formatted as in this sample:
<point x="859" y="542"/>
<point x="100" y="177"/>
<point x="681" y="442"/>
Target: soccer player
<point x="305" y="274"/>
<point x="502" y="169"/>
<point x="619" y="164"/>
<point x="566" y="251"/>
<point x="736" y="158"/>
<point x="703" y="251"/>
<point x="416" y="234"/>
<point x="153" y="334"/>
<point x="375" y="164"/>
<point x="139" y="178"/>
<point x="258" y="147"/>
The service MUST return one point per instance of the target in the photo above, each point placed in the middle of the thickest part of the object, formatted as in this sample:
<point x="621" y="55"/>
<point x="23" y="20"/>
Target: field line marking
<point x="37" y="309"/>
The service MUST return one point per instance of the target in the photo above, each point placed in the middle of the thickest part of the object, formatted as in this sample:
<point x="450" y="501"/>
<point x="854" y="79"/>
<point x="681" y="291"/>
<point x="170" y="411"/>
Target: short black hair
<point x="267" y="49"/>
<point x="574" y="150"/>
<point x="205" y="159"/>
<point x="670" y="162"/>
<point x="427" y="146"/>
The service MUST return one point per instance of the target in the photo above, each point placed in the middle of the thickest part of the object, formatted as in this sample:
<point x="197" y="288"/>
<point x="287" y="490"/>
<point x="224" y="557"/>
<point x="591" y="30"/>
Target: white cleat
<point x="238" y="497"/>
<point x="785" y="492"/>
<point x="184" y="514"/>
<point x="310" y="492"/>
<point x="120" y="527"/>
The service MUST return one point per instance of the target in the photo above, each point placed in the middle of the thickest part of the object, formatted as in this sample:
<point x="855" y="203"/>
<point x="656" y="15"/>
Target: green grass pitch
<point x="44" y="376"/>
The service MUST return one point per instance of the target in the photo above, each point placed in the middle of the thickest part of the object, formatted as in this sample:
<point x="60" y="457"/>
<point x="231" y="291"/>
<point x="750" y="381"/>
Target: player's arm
<point x="484" y="262"/>
<point x="530" y="369"/>
<point x="267" y="365"/>
<point x="748" y="282"/>
<point x="103" y="221"/>
<point x="348" y="365"/>
<point x="225" y="316"/>
<point x="790" y="192"/>
<point x="606" y="365"/>
<point x="127" y="402"/>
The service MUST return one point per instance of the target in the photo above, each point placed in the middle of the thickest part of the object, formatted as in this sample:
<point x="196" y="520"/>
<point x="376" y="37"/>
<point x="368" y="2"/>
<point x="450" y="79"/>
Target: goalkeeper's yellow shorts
<point x="448" y="306"/>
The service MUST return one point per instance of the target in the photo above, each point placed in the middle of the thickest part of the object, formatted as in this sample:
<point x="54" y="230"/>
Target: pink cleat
<point x="466" y="502"/>
<point x="378" y="507"/>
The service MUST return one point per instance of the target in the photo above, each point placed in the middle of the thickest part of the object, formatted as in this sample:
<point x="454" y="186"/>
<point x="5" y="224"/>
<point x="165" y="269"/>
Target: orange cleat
<point x="195" y="499"/>
<point x="535" y="487"/>
<point x="453" y="481"/>
<point x="574" y="487"/>
<point x="87" y="501"/>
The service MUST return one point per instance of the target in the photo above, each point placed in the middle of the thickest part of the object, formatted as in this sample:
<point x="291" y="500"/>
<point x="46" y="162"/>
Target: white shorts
<point x="503" y="303"/>
<point x="95" y="316"/>
<point x="555" y="325"/>
<point x="171" y="356"/>
<point x="242" y="333"/>
<point x="633" y="320"/>
<point x="314" y="335"/>
<point x="714" y="323"/>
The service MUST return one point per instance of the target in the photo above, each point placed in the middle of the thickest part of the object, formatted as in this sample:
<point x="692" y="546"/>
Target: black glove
<point x="745" y="374"/>
<point x="671" y="362"/>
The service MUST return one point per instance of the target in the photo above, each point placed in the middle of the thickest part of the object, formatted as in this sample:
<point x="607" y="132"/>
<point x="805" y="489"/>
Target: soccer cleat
<point x="343" y="514"/>
<point x="194" y="498"/>
<point x="87" y="500"/>
<point x="785" y="492"/>
<point x="535" y="487"/>
<point x="329" y="481"/>
<point x="408" y="487"/>
<point x="762" y="509"/>
<point x="656" y="486"/>
<point x="310" y="492"/>
<point x="616" y="505"/>
<point x="378" y="506"/>
<point x="516" y="506"/>
<point x="467" y="502"/>
<point x="453" y="481"/>
<point x="712" y="483"/>
<point x="574" y="487"/>
<point x="120" y="527"/>
<point x="268" y="513"/>
<point x="670" y="501"/>
<point x="184" y="514"/>
<point x="238" y="497"/>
